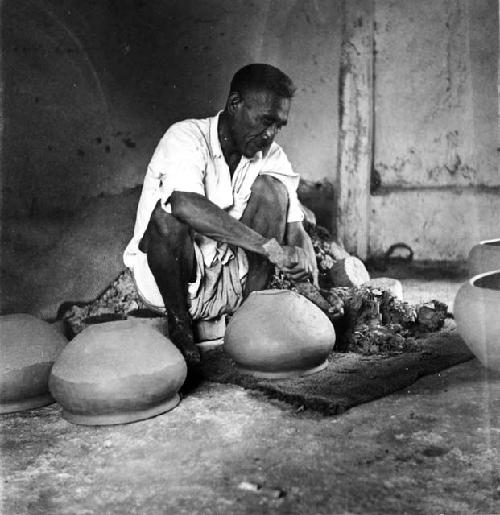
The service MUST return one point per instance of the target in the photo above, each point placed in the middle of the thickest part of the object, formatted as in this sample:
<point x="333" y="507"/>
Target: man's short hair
<point x="258" y="77"/>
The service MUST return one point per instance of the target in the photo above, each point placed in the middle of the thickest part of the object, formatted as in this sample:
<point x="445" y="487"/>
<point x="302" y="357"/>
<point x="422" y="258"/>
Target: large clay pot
<point x="484" y="256"/>
<point x="116" y="373"/>
<point x="28" y="349"/>
<point x="279" y="333"/>
<point x="477" y="313"/>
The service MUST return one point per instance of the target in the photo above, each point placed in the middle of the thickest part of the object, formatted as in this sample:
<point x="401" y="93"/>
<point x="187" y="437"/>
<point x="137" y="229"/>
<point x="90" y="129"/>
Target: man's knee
<point x="267" y="208"/>
<point x="270" y="192"/>
<point x="165" y="227"/>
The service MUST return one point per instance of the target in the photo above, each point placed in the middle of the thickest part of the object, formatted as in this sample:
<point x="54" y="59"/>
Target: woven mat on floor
<point x="349" y="379"/>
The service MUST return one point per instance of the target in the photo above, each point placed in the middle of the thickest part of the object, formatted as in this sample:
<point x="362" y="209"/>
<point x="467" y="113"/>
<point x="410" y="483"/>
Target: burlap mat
<point x="349" y="379"/>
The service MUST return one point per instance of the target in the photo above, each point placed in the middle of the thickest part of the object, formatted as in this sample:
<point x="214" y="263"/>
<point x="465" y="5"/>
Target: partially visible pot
<point x="484" y="256"/>
<point x="477" y="313"/>
<point x="28" y="348"/>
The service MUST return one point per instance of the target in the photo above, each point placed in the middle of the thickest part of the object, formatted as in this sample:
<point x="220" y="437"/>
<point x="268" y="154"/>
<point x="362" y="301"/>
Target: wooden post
<point x="356" y="126"/>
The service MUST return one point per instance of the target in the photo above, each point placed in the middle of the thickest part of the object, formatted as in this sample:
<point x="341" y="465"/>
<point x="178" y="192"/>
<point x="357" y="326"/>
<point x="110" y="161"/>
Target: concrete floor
<point x="431" y="449"/>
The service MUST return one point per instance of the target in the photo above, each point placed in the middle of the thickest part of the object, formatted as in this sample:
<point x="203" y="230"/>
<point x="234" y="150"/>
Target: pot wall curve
<point x="484" y="257"/>
<point x="477" y="313"/>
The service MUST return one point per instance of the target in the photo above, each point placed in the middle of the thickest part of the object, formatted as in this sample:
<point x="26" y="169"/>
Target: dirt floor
<point x="431" y="449"/>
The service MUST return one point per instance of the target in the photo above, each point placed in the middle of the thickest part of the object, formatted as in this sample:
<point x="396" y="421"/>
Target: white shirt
<point x="189" y="158"/>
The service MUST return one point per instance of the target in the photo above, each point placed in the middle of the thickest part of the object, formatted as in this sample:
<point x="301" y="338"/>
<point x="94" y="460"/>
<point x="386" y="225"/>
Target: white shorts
<point x="217" y="289"/>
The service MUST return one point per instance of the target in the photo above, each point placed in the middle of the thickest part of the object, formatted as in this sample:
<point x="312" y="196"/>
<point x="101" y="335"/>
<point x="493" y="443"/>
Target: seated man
<point x="219" y="209"/>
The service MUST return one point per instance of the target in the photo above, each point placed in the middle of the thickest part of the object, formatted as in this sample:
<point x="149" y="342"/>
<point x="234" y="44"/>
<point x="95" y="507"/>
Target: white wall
<point x="436" y="126"/>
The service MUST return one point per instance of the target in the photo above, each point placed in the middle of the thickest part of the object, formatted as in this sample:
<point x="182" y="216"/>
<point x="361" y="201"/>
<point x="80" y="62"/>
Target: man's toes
<point x="194" y="371"/>
<point x="191" y="354"/>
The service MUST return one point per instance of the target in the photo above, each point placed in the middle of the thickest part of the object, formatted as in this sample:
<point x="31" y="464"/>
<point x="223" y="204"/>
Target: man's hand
<point x="311" y="258"/>
<point x="292" y="259"/>
<point x="297" y="236"/>
<point x="301" y="270"/>
<point x="280" y="255"/>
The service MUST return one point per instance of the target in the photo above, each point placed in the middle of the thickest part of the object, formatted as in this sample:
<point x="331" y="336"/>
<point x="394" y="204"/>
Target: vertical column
<point x="356" y="126"/>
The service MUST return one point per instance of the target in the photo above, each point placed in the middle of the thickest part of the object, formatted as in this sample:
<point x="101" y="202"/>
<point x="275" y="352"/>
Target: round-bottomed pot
<point x="28" y="348"/>
<point x="117" y="373"/>
<point x="279" y="334"/>
<point x="484" y="257"/>
<point x="477" y="313"/>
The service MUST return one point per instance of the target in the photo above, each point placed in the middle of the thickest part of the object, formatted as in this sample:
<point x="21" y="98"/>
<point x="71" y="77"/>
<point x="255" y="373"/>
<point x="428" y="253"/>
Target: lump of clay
<point x="349" y="272"/>
<point x="279" y="333"/>
<point x="387" y="284"/>
<point x="116" y="373"/>
<point x="28" y="349"/>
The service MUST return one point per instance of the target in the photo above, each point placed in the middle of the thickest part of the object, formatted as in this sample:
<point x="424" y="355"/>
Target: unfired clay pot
<point x="279" y="333"/>
<point x="28" y="348"/>
<point x="116" y="373"/>
<point x="477" y="313"/>
<point x="484" y="256"/>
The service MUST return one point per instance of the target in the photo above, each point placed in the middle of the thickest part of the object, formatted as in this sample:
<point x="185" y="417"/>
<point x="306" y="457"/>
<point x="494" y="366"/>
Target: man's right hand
<point x="280" y="255"/>
<point x="291" y="259"/>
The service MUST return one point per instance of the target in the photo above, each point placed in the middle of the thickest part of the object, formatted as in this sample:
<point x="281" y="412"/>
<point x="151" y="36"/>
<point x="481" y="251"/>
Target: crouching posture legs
<point x="170" y="252"/>
<point x="168" y="243"/>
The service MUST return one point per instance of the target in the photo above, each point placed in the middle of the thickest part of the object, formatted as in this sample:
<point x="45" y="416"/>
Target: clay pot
<point x="116" y="373"/>
<point x="477" y="313"/>
<point x="279" y="333"/>
<point x="484" y="256"/>
<point x="28" y="347"/>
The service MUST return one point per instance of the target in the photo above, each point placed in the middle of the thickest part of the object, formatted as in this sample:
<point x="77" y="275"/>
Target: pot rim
<point x="272" y="292"/>
<point x="474" y="278"/>
<point x="485" y="242"/>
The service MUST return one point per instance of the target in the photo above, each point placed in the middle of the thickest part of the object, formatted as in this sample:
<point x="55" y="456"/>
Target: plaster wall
<point x="90" y="87"/>
<point x="438" y="225"/>
<point x="436" y="126"/>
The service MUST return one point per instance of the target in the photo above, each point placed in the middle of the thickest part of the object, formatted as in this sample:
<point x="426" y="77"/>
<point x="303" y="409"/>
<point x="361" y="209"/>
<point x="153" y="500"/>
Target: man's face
<point x="257" y="119"/>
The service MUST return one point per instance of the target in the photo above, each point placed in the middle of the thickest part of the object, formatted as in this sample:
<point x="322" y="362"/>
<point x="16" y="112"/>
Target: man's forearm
<point x="206" y="218"/>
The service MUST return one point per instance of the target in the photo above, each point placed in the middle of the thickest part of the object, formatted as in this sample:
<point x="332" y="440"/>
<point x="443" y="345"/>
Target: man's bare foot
<point x="181" y="334"/>
<point x="183" y="340"/>
<point x="187" y="347"/>
<point x="190" y="352"/>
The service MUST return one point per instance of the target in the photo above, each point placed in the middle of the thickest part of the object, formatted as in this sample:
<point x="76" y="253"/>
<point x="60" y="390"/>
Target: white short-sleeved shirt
<point x="189" y="158"/>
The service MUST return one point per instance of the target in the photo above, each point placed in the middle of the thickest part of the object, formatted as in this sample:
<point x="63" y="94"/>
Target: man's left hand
<point x="306" y="267"/>
<point x="302" y="269"/>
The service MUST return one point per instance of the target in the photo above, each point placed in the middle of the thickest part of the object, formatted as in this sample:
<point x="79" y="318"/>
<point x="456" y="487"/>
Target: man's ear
<point x="234" y="101"/>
